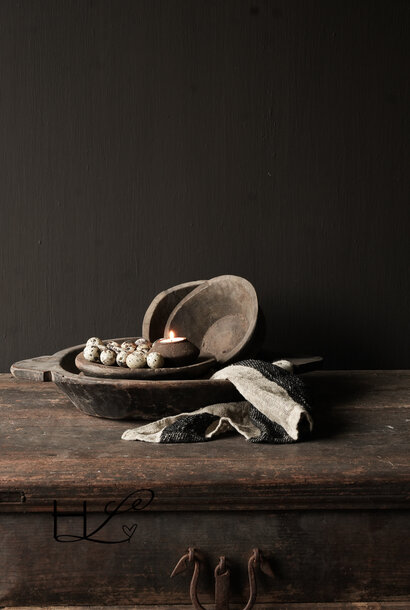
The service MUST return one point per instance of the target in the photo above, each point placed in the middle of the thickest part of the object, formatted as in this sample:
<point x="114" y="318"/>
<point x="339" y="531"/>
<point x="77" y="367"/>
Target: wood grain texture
<point x="272" y="606"/>
<point x="358" y="457"/>
<point x="226" y="497"/>
<point x="148" y="143"/>
<point x="321" y="556"/>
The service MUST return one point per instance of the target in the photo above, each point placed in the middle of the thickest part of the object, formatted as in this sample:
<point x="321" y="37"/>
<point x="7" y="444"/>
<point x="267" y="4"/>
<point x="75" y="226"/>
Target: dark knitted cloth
<point x="274" y="409"/>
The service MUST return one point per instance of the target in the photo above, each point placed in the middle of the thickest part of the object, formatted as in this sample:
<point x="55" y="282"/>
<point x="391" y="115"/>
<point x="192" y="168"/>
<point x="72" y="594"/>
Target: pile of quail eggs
<point x="132" y="354"/>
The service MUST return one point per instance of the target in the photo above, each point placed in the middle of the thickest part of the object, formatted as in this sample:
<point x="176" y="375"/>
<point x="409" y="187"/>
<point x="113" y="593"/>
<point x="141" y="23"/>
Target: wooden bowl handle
<point x="35" y="369"/>
<point x="307" y="364"/>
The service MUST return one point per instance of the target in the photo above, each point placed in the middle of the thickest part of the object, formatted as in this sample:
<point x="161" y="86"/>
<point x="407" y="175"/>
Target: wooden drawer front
<point x="317" y="556"/>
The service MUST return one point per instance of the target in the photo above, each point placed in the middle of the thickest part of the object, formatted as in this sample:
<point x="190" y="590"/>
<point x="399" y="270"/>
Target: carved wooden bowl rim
<point x="54" y="368"/>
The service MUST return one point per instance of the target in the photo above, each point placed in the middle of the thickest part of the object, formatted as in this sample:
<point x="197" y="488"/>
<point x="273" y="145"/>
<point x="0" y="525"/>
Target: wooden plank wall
<point x="148" y="142"/>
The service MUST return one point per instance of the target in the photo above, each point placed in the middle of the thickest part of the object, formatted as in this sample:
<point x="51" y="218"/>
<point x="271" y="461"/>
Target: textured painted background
<point x="144" y="143"/>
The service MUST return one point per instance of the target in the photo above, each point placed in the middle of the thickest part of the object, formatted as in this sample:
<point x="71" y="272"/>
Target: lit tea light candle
<point x="172" y="338"/>
<point x="176" y="351"/>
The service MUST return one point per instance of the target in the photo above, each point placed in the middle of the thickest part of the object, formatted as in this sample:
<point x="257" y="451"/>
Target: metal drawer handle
<point x="222" y="578"/>
<point x="256" y="560"/>
<point x="191" y="557"/>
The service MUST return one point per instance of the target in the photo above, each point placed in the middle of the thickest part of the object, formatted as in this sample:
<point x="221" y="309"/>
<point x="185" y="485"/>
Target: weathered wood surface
<point x="357" y="458"/>
<point x="271" y="606"/>
<point x="219" y="317"/>
<point x="316" y="556"/>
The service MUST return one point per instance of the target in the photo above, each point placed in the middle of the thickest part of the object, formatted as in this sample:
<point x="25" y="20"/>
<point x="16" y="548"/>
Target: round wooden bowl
<point x="219" y="317"/>
<point x="192" y="371"/>
<point x="177" y="353"/>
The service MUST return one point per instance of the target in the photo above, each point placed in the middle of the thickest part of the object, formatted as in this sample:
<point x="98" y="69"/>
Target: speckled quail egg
<point x="136" y="360"/>
<point x="141" y="341"/>
<point x="114" y="346"/>
<point x="142" y="350"/>
<point x="122" y="358"/>
<point x="93" y="341"/>
<point x="108" y="357"/>
<point x="144" y="347"/>
<point x="91" y="353"/>
<point x="128" y="346"/>
<point x="155" y="360"/>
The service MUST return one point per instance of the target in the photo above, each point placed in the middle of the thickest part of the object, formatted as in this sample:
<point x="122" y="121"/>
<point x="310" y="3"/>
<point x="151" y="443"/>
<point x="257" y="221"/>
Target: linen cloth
<point x="275" y="409"/>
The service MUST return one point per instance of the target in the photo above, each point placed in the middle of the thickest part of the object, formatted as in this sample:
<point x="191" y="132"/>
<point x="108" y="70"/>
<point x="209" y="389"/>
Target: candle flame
<point x="171" y="334"/>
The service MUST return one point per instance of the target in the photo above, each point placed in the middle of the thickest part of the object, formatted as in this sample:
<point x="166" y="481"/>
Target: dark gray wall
<point x="145" y="143"/>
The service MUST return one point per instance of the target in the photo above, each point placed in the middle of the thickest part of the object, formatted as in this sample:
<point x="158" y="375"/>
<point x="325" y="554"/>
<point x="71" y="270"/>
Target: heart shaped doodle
<point x="129" y="531"/>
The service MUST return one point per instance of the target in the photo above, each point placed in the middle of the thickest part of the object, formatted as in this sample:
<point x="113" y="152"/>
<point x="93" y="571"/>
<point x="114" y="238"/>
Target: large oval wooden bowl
<point x="128" y="398"/>
<point x="219" y="317"/>
<point x="123" y="398"/>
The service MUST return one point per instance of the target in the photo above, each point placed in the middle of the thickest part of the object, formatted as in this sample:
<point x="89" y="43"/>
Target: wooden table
<point x="330" y="515"/>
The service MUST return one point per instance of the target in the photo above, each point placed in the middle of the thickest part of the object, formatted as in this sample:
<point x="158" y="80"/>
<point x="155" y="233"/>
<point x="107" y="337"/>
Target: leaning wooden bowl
<point x="160" y="308"/>
<point x="219" y="317"/>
